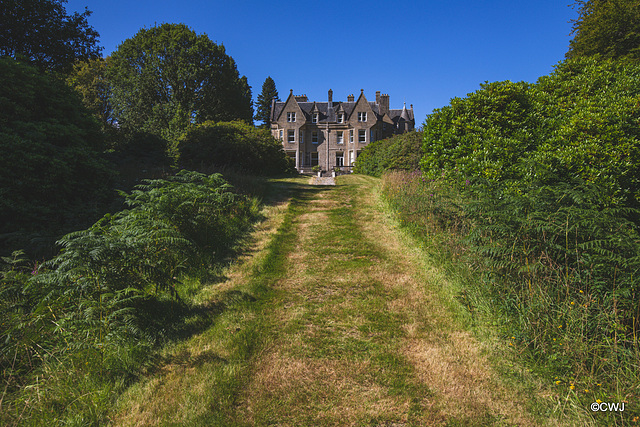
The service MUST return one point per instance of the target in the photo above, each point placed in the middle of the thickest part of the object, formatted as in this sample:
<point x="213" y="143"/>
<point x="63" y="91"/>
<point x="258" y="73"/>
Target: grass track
<point x="333" y="320"/>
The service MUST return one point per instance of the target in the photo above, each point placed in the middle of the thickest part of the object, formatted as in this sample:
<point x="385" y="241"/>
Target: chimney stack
<point x="384" y="103"/>
<point x="350" y="98"/>
<point x="378" y="97"/>
<point x="330" y="97"/>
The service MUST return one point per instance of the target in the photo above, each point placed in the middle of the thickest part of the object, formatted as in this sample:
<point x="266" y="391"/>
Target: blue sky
<point x="419" y="52"/>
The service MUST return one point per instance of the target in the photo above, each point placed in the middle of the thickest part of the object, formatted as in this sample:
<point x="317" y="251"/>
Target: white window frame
<point x="314" y="137"/>
<point x="339" y="158"/>
<point x="362" y="136"/>
<point x="314" y="118"/>
<point x="340" y="137"/>
<point x="291" y="117"/>
<point x="291" y="136"/>
<point x="351" y="132"/>
<point x="362" y="116"/>
<point x="340" y="117"/>
<point x="281" y="134"/>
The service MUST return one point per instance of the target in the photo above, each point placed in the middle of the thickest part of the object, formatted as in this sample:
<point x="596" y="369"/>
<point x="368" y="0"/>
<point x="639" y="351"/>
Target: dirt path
<point x="357" y="331"/>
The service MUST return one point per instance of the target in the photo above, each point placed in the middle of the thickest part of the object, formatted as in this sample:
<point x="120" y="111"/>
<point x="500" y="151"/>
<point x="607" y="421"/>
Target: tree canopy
<point x="40" y="31"/>
<point x="89" y="79"/>
<point x="609" y="28"/>
<point x="263" y="104"/>
<point x="168" y="77"/>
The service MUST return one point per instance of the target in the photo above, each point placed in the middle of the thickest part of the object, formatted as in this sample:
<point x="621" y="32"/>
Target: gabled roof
<point x="327" y="111"/>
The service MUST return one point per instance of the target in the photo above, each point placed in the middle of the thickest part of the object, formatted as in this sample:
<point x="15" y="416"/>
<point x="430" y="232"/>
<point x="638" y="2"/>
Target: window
<point x="362" y="117"/>
<point x="301" y="137"/>
<point x="362" y="135"/>
<point x="291" y="117"/>
<point x="314" y="137"/>
<point x="281" y="134"/>
<point x="340" y="138"/>
<point x="340" y="117"/>
<point x="291" y="136"/>
<point x="339" y="158"/>
<point x="314" y="118"/>
<point x="314" y="158"/>
<point x="372" y="136"/>
<point x="352" y="157"/>
<point x="351" y="136"/>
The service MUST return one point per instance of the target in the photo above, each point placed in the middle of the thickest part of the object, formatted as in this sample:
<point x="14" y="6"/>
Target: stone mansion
<point x="332" y="134"/>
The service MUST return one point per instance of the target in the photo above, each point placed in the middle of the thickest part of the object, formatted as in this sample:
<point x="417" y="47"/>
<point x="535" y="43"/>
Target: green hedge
<point x="398" y="152"/>
<point x="233" y="144"/>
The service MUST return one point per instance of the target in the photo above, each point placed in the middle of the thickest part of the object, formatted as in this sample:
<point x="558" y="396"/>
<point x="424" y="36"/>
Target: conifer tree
<point x="263" y="105"/>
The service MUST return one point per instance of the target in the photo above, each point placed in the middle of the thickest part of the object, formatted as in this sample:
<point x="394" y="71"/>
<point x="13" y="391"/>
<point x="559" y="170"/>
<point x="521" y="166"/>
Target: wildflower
<point x="572" y="303"/>
<point x="598" y="401"/>
<point x="558" y="382"/>
<point x="572" y="387"/>
<point x="581" y="291"/>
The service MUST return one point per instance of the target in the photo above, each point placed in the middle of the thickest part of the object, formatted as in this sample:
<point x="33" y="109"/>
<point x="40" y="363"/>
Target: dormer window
<point x="340" y="117"/>
<point x="314" y="118"/>
<point x="291" y="117"/>
<point x="362" y="117"/>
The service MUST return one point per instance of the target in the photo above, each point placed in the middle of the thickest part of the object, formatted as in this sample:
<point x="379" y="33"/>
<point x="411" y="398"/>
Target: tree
<point x="40" y="31"/>
<point x="52" y="177"/>
<point x="263" y="105"/>
<point x="90" y="81"/>
<point x="166" y="78"/>
<point x="610" y="28"/>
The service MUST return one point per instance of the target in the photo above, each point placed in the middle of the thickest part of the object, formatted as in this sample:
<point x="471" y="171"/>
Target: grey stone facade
<point x="332" y="134"/>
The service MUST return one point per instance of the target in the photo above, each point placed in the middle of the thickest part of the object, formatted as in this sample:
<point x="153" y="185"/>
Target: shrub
<point x="52" y="176"/>
<point x="400" y="152"/>
<point x="234" y="144"/>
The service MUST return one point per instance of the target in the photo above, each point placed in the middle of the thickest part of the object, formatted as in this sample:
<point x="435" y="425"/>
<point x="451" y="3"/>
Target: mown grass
<point x="333" y="320"/>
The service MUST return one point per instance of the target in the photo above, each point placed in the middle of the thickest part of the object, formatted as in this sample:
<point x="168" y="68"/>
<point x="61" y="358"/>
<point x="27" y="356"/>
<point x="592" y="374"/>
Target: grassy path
<point x="334" y="320"/>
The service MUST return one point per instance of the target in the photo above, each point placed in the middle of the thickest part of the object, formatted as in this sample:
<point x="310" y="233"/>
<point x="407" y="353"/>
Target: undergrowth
<point x="555" y="274"/>
<point x="81" y="327"/>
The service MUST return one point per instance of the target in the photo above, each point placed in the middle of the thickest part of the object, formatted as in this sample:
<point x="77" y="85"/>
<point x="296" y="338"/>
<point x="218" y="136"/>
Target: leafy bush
<point x="236" y="144"/>
<point x="52" y="176"/>
<point x="579" y="122"/>
<point x="398" y="152"/>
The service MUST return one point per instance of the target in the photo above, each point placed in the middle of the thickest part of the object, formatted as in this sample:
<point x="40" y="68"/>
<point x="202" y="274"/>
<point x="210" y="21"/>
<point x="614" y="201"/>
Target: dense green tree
<point x="89" y="79"/>
<point x="263" y="105"/>
<point x="51" y="175"/>
<point x="610" y="28"/>
<point x="41" y="31"/>
<point x="168" y="77"/>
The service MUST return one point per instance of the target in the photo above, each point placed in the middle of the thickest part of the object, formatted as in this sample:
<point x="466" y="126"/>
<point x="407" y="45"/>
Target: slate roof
<point x="328" y="112"/>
